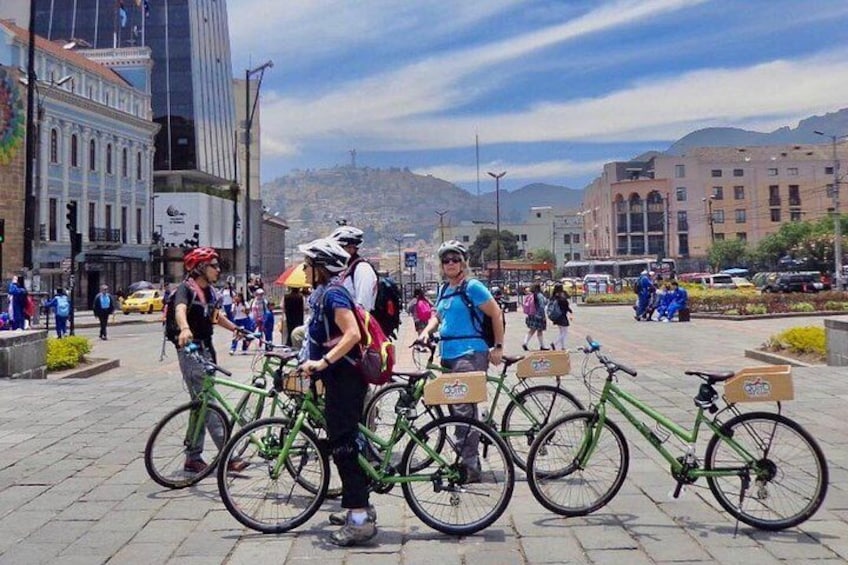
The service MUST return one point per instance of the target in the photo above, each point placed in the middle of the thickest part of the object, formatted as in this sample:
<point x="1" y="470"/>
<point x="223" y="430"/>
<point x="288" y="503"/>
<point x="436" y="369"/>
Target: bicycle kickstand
<point x="745" y="482"/>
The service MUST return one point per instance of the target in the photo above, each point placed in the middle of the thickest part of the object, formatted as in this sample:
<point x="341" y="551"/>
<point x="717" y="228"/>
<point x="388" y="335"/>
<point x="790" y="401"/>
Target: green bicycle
<point x="287" y="473"/>
<point x="185" y="426"/>
<point x="762" y="467"/>
<point x="528" y="408"/>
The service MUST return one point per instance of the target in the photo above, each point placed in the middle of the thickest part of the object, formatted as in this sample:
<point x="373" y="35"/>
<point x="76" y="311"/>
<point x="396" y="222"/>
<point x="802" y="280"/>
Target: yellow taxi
<point x="744" y="285"/>
<point x="144" y="301"/>
<point x="572" y="286"/>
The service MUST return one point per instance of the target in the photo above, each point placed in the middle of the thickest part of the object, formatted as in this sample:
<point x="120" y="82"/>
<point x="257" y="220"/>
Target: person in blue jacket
<point x="664" y="301"/>
<point x="18" y="296"/>
<point x="679" y="299"/>
<point x="62" y="306"/>
<point x="643" y="290"/>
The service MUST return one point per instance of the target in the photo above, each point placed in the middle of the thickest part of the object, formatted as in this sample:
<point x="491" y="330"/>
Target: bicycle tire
<point x="456" y="502"/>
<point x="165" y="451"/>
<point x="781" y="470"/>
<point x="545" y="412"/>
<point x="554" y="477"/>
<point x="256" y="499"/>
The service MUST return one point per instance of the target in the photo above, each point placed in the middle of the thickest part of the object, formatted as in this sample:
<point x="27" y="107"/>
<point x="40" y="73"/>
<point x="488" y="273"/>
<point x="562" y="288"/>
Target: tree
<point x="485" y="245"/>
<point x="543" y="256"/>
<point x="728" y="253"/>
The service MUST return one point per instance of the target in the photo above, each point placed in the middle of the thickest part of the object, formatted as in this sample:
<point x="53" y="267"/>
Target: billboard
<point x="191" y="219"/>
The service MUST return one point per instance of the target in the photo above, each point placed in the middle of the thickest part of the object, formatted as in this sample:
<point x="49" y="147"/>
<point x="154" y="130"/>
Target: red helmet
<point x="199" y="256"/>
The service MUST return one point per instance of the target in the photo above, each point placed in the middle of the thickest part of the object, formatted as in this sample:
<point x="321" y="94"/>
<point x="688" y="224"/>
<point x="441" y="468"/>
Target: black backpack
<point x="388" y="302"/>
<point x="172" y="330"/>
<point x="484" y="326"/>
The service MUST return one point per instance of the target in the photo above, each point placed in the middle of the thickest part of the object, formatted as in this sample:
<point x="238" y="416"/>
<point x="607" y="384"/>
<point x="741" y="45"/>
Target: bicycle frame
<point x="620" y="400"/>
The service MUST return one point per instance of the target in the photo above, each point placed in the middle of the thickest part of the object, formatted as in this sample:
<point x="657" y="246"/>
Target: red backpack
<point x="423" y="311"/>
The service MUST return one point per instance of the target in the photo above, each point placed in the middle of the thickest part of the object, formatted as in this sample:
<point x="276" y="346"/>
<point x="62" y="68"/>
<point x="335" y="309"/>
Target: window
<point x="775" y="214"/>
<point x="794" y="195"/>
<point x="124" y="165"/>
<point x="774" y="195"/>
<point x="680" y="171"/>
<point x="718" y="216"/>
<point x="719" y="237"/>
<point x="682" y="221"/>
<point x="124" y="224"/>
<point x="681" y="193"/>
<point x="524" y="237"/>
<point x="742" y="236"/>
<point x="92" y="223"/>
<point x="683" y="244"/>
<point x="465" y="239"/>
<point x="739" y="193"/>
<point x="772" y="172"/>
<point x="107" y="217"/>
<point x="576" y="256"/>
<point x="715" y="173"/>
<point x="828" y="170"/>
<point x="92" y="156"/>
<point x="109" y="158"/>
<point x="741" y="216"/>
<point x="51" y="226"/>
<point x="794" y="215"/>
<point x="829" y="191"/>
<point x="138" y="223"/>
<point x="792" y="171"/>
<point x="718" y="193"/>
<point x="138" y="167"/>
<point x="54" y="146"/>
<point x="738" y="173"/>
<point x="566" y="239"/>
<point x="74" y="151"/>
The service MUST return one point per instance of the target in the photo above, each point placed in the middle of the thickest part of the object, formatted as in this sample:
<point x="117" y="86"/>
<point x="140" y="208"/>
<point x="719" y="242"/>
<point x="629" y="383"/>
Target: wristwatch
<point x="498" y="346"/>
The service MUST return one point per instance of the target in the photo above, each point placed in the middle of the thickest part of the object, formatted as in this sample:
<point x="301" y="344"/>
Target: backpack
<point x="529" y="304"/>
<point x="423" y="311"/>
<point x="172" y="330"/>
<point x="377" y="361"/>
<point x="387" y="304"/>
<point x="555" y="313"/>
<point x="63" y="306"/>
<point x="484" y="326"/>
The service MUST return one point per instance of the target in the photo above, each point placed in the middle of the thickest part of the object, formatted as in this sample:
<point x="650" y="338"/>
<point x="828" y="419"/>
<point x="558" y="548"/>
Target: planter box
<point x="836" y="336"/>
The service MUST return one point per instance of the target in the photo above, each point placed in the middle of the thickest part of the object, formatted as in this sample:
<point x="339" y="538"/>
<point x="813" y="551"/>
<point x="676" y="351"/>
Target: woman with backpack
<point x="62" y="307"/>
<point x="421" y="310"/>
<point x="559" y="311"/>
<point x="534" y="310"/>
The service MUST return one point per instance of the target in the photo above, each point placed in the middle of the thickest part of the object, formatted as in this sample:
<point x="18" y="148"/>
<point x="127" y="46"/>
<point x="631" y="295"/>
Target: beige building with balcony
<point x="676" y="206"/>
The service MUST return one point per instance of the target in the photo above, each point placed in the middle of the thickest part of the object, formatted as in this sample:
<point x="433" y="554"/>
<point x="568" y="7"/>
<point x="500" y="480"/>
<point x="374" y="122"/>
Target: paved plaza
<point x="73" y="488"/>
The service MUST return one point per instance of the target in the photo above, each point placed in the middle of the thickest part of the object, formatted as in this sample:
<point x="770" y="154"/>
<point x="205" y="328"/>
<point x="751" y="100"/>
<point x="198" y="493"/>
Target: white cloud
<point x="515" y="171"/>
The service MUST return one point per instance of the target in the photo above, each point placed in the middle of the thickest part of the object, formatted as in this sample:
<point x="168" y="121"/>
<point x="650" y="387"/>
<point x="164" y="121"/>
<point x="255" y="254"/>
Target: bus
<point x="627" y="269"/>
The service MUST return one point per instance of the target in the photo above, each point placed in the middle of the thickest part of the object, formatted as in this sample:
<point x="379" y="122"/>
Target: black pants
<point x="344" y="403"/>
<point x="104" y="318"/>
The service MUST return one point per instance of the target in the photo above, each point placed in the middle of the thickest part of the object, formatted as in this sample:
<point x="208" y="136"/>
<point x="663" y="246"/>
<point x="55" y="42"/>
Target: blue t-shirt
<point x="324" y="302"/>
<point x="456" y="320"/>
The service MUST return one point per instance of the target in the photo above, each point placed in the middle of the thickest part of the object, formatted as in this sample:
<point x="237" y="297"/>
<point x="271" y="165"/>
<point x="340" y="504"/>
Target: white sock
<point x="358" y="518"/>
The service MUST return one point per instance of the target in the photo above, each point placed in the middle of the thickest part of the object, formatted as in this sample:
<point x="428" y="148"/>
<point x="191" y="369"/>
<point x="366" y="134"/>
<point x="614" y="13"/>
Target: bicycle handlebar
<point x="611" y="366"/>
<point x="193" y="350"/>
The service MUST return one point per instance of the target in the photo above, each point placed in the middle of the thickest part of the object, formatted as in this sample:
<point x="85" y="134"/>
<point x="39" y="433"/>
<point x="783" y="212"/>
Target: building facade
<point x="94" y="147"/>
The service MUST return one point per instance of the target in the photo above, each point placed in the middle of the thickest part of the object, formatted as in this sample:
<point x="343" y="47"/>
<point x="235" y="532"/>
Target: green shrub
<point x="66" y="353"/>
<point x="620" y="298"/>
<point x="802" y="307"/>
<point x="731" y="312"/>
<point x="757" y="309"/>
<point x="807" y="339"/>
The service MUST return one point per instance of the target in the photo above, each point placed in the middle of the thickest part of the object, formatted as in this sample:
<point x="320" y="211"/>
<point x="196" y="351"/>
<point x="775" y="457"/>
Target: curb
<point x="96" y="366"/>
<point x="774" y="359"/>
<point x="708" y="316"/>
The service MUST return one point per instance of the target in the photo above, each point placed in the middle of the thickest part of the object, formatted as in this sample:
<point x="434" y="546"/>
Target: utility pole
<point x="837" y="218"/>
<point x="498" y="178"/>
<point x="710" y="218"/>
<point x="441" y="214"/>
<point x="29" y="188"/>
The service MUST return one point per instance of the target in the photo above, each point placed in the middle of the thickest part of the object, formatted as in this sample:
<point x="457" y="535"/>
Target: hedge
<point x="66" y="353"/>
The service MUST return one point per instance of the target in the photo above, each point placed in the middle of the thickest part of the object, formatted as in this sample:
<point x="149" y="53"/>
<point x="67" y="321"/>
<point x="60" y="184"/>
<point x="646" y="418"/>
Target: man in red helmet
<point x="195" y="306"/>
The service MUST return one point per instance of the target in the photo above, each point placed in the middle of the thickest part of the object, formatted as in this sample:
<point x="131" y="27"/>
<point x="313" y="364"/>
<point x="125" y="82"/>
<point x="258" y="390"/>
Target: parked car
<point x="144" y="301"/>
<point x="597" y="284"/>
<point x="718" y="281"/>
<point x="744" y="284"/>
<point x="796" y="282"/>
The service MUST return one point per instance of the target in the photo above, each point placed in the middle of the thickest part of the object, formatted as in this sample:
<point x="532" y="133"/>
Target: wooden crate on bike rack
<point x="294" y="383"/>
<point x="544" y="364"/>
<point x="456" y="388"/>
<point x="769" y="383"/>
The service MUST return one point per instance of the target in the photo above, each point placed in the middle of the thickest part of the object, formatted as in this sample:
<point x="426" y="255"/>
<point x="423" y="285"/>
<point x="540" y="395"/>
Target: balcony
<point x="105" y="236"/>
<point x="796" y="201"/>
<point x="774" y="200"/>
<point x="683" y="225"/>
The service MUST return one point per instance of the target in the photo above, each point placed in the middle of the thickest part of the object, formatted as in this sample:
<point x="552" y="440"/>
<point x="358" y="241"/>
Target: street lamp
<point x="399" y="240"/>
<point x="249" y="112"/>
<point x="837" y="223"/>
<point x="441" y="215"/>
<point x="498" y="178"/>
<point x="709" y="202"/>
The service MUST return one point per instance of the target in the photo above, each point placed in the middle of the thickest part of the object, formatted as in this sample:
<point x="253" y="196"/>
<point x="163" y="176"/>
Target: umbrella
<point x="293" y="277"/>
<point x="141" y="285"/>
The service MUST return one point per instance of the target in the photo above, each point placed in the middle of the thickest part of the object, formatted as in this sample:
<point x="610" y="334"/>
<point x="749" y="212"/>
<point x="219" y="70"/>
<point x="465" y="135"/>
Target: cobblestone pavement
<point x="73" y="488"/>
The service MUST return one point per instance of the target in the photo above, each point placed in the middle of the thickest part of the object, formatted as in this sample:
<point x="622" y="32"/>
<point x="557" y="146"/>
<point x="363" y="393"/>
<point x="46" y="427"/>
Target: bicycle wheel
<point x="541" y="405"/>
<point x="787" y="482"/>
<point x="166" y="449"/>
<point x="273" y="504"/>
<point x="554" y="475"/>
<point x="380" y="415"/>
<point x="479" y="494"/>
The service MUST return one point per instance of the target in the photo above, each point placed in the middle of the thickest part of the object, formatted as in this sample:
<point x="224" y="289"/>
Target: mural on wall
<point x="12" y="117"/>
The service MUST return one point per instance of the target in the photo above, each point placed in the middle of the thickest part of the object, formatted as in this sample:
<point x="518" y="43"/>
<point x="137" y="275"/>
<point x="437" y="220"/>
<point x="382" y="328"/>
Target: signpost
<point x="410" y="259"/>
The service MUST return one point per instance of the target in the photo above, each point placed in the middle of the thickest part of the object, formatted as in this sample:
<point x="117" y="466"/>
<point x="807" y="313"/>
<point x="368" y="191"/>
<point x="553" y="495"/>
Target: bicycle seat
<point x="284" y="357"/>
<point x="511" y="359"/>
<point x="712" y="376"/>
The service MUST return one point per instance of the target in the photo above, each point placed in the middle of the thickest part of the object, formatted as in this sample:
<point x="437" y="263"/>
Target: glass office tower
<point x="191" y="83"/>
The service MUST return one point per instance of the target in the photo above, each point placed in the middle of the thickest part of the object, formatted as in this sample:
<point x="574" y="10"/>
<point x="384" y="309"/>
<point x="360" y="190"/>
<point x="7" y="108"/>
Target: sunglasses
<point x="215" y="266"/>
<point x="447" y="260"/>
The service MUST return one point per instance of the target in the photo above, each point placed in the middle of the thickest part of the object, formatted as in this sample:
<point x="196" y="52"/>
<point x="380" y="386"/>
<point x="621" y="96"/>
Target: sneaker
<point x="340" y="518"/>
<point x="553" y="347"/>
<point x="237" y="465"/>
<point x="473" y="473"/>
<point x="232" y="351"/>
<point x="524" y="347"/>
<point x="354" y="534"/>
<point x="194" y="466"/>
<point x="543" y="348"/>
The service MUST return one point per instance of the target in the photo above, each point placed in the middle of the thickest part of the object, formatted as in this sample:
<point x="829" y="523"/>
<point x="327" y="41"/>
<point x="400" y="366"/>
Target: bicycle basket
<point x="295" y="383"/>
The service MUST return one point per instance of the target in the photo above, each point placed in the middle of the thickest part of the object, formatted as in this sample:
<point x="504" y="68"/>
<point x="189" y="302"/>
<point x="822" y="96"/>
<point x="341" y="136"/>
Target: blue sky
<point x="553" y="89"/>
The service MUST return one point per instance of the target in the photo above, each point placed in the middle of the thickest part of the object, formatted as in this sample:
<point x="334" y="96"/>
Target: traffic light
<point x="72" y="217"/>
<point x="2" y="231"/>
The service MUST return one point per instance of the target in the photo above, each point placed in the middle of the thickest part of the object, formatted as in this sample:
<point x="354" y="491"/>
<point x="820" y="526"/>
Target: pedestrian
<point x="678" y="299"/>
<point x="241" y="318"/>
<point x="462" y="302"/>
<point x="360" y="277"/>
<point x="195" y="312"/>
<point x="293" y="309"/>
<point x="227" y="298"/>
<point x="643" y="291"/>
<point x="104" y="305"/>
<point x="534" y="310"/>
<point x="333" y="337"/>
<point x="262" y="316"/>
<point x="563" y="317"/>
<point x="61" y="305"/>
<point x="421" y="310"/>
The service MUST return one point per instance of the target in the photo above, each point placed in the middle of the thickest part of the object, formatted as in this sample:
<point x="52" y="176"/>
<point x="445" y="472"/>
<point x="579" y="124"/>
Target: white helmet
<point x="455" y="246"/>
<point x="348" y="235"/>
<point x="326" y="253"/>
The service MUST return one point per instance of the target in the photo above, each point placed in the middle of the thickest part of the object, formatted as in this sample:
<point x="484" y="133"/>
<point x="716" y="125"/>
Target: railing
<point x="774" y="200"/>
<point x="795" y="201"/>
<point x="683" y="225"/>
<point x="104" y="235"/>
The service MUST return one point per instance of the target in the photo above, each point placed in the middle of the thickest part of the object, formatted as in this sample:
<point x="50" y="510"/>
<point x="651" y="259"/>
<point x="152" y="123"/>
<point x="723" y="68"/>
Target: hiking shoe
<point x="194" y="466"/>
<point x="354" y="534"/>
<point x="236" y="465"/>
<point x="340" y="518"/>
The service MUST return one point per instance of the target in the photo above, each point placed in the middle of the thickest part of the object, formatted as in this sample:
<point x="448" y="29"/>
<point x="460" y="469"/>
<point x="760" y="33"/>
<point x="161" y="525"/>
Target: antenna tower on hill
<point x="352" y="158"/>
